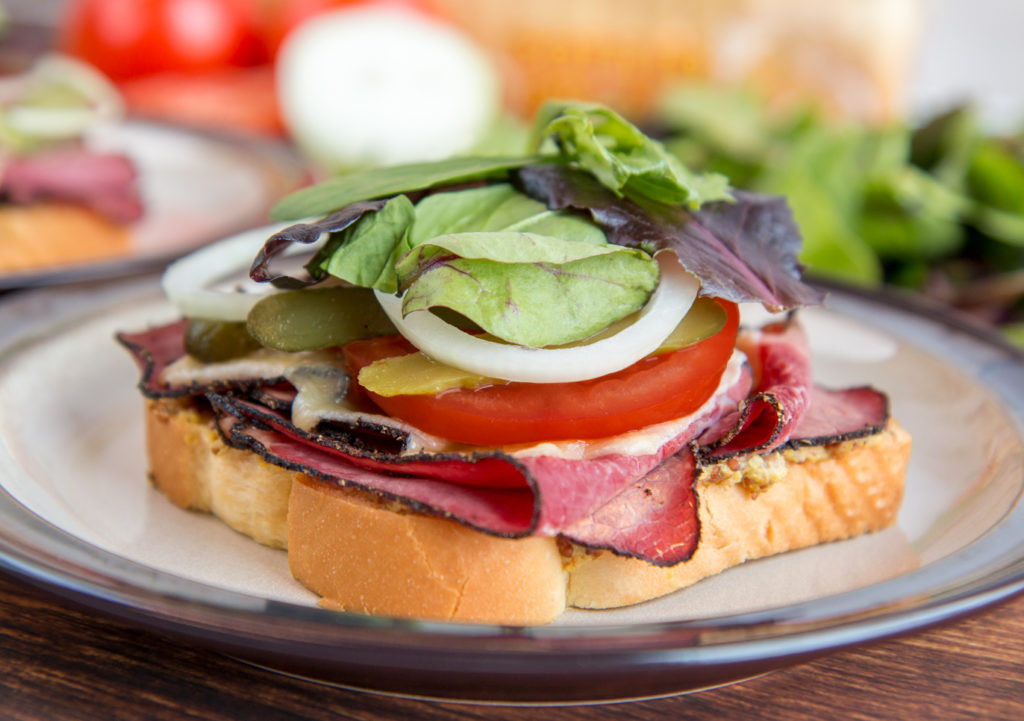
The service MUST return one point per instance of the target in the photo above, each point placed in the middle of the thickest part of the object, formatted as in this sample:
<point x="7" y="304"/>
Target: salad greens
<point x="365" y="253"/>
<point x="480" y="252"/>
<point x="743" y="251"/>
<point x="937" y="207"/>
<point x="498" y="207"/>
<point x="622" y="158"/>
<point x="508" y="282"/>
<point x="502" y="241"/>
<point x="382" y="182"/>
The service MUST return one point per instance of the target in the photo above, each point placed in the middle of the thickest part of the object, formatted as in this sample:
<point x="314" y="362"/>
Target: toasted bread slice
<point x="365" y="554"/>
<point x="44" y="235"/>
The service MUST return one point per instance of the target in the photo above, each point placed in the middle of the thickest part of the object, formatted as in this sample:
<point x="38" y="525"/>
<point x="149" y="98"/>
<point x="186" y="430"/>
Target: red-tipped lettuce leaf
<point x="744" y="251"/>
<point x="306" y="234"/>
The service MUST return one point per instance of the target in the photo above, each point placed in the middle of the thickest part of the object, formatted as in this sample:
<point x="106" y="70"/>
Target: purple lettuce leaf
<point x="741" y="251"/>
<point x="306" y="234"/>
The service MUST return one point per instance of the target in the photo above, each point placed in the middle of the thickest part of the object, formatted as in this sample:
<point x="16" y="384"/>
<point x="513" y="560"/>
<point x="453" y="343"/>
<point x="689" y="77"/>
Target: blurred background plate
<point x="196" y="187"/>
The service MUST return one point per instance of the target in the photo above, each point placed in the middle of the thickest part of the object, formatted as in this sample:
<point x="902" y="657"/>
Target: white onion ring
<point x="447" y="344"/>
<point x="190" y="282"/>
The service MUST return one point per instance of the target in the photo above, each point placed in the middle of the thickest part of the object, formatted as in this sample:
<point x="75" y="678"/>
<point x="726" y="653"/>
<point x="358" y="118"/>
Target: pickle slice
<point x="704" y="319"/>
<point x="211" y="341"/>
<point x="416" y="374"/>
<point x="316" y="318"/>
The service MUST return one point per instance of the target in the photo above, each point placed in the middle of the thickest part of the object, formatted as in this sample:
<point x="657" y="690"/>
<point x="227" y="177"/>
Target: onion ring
<point x="190" y="282"/>
<point x="447" y="344"/>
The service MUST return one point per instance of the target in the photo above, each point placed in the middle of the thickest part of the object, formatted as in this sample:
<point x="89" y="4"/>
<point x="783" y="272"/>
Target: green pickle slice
<point x="316" y="318"/>
<point x="211" y="341"/>
<point x="704" y="319"/>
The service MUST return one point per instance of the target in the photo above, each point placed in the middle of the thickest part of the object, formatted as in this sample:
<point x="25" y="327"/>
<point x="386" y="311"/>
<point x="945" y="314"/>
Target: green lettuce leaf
<point x="494" y="256"/>
<point x="622" y="157"/>
<point x="384" y="182"/>
<point x="498" y="207"/>
<point x="508" y="282"/>
<point x="364" y="254"/>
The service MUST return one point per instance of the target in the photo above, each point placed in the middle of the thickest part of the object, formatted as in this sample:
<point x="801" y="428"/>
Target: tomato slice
<point x="655" y="389"/>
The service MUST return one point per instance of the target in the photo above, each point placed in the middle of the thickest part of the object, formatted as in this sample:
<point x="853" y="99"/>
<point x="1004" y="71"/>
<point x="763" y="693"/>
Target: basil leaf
<point x="508" y="282"/>
<point x="338" y="192"/>
<point x="623" y="158"/>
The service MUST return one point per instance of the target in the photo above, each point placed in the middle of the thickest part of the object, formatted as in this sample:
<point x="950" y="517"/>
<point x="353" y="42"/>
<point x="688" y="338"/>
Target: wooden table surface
<point x="59" y="663"/>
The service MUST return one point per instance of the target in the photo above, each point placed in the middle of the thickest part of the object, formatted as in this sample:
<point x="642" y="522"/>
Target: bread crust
<point x="365" y="554"/>
<point x="376" y="558"/>
<point x="195" y="469"/>
<point x="45" y="235"/>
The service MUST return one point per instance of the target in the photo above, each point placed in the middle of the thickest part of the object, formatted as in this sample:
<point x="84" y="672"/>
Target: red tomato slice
<point x="655" y="389"/>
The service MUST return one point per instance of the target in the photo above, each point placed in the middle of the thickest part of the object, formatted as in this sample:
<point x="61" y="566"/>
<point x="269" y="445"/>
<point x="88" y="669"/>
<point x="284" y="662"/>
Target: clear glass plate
<point x="78" y="517"/>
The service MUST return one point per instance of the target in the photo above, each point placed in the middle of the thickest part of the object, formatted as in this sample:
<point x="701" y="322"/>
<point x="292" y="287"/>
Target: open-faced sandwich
<point x="61" y="200"/>
<point x="499" y="387"/>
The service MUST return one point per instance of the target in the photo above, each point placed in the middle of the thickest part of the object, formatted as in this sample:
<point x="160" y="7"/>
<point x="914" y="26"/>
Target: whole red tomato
<point x="276" y="18"/>
<point x="279" y="17"/>
<point x="128" y="38"/>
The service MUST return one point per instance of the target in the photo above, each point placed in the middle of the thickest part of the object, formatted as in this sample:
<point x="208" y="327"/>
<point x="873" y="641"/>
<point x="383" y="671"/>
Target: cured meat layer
<point x="635" y="505"/>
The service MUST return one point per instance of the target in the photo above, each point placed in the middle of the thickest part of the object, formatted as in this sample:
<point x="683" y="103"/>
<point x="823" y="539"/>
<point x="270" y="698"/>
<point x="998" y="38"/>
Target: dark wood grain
<point x="60" y="663"/>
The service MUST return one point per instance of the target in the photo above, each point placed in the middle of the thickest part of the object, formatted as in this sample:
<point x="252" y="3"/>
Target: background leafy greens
<point x="937" y="207"/>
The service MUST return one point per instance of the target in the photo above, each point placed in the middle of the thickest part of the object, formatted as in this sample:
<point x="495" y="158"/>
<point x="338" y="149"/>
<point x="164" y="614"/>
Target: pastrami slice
<point x="552" y="496"/>
<point x="498" y="511"/>
<point x="103" y="182"/>
<point x="658" y="508"/>
<point x="787" y="409"/>
<point x="153" y="350"/>
<point x="654" y="518"/>
<point x="841" y="415"/>
<point x="782" y="362"/>
<point x="487" y="469"/>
